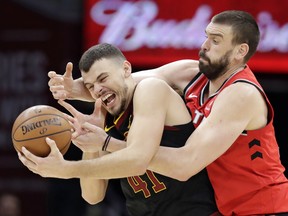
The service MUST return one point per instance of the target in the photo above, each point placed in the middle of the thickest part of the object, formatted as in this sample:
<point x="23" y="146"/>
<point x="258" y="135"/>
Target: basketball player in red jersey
<point x="234" y="136"/>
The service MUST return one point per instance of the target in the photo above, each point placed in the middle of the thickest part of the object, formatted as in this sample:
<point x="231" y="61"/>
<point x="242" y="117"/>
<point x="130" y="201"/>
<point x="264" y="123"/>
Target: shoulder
<point x="152" y="91"/>
<point x="151" y="85"/>
<point x="241" y="95"/>
<point x="244" y="101"/>
<point x="242" y="91"/>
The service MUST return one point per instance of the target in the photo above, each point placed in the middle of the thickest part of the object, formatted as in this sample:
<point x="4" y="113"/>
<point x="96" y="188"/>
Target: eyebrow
<point x="214" y="34"/>
<point x="97" y="78"/>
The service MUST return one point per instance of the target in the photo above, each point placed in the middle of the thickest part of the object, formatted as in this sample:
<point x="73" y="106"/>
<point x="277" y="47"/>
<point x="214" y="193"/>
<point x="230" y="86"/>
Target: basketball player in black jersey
<point x="142" y="115"/>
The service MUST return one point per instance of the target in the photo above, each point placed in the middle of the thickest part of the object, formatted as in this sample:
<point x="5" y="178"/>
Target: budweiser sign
<point x="154" y="33"/>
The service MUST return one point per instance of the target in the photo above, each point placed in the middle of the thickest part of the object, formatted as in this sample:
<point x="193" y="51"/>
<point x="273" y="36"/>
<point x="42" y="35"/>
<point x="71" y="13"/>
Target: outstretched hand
<point x="61" y="86"/>
<point x="50" y="166"/>
<point x="81" y="136"/>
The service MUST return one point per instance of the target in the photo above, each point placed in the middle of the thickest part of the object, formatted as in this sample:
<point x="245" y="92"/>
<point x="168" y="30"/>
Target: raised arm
<point x="177" y="74"/>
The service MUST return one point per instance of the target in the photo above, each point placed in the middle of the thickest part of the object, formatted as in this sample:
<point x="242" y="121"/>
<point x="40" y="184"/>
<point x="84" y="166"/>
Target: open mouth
<point x="108" y="98"/>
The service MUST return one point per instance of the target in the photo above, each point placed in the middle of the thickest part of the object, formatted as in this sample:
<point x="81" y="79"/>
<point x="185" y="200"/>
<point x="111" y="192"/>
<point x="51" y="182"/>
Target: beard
<point x="214" y="70"/>
<point x="123" y="104"/>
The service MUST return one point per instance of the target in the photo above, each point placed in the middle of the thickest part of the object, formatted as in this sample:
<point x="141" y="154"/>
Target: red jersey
<point x="249" y="177"/>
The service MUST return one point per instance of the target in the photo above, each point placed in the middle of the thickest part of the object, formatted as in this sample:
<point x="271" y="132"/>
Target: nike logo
<point x="192" y="96"/>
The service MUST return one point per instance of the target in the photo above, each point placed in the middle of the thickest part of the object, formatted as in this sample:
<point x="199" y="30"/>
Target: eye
<point x="90" y="87"/>
<point x="103" y="79"/>
<point x="216" y="40"/>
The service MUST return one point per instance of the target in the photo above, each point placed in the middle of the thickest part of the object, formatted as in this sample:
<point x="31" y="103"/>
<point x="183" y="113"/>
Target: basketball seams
<point x="47" y="135"/>
<point x="63" y="148"/>
<point x="49" y="114"/>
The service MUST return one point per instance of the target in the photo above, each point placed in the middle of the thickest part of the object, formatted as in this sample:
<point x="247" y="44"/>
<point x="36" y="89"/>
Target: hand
<point x="92" y="140"/>
<point x="61" y="86"/>
<point x="50" y="166"/>
<point x="65" y="87"/>
<point x="96" y="118"/>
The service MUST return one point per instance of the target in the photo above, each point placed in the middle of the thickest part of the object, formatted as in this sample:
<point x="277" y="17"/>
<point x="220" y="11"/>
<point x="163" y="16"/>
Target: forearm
<point x="177" y="74"/>
<point x="80" y="92"/>
<point x="170" y="162"/>
<point x="115" y="145"/>
<point x="92" y="190"/>
<point x="118" y="164"/>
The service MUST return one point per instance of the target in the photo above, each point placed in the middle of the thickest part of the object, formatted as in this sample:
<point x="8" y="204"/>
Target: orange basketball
<point x="36" y="123"/>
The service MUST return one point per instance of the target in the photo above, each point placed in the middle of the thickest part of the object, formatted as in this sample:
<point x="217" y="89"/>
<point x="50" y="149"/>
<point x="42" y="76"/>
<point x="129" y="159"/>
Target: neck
<point x="130" y="93"/>
<point x="214" y="85"/>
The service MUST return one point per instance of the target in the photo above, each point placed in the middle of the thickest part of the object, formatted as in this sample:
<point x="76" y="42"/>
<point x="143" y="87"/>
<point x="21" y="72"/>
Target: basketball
<point x="36" y="123"/>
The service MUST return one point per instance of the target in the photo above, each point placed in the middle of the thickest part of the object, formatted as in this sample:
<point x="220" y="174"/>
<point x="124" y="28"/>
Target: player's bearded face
<point x="212" y="70"/>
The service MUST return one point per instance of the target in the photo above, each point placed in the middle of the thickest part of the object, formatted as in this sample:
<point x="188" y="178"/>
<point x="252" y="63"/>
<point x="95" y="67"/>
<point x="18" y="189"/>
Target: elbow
<point x="139" y="167"/>
<point x="182" y="173"/>
<point x="179" y="174"/>
<point x="135" y="161"/>
<point x="183" y="177"/>
<point x="184" y="169"/>
<point x="94" y="199"/>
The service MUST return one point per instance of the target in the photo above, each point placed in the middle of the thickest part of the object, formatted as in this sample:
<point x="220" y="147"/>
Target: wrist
<point x="90" y="155"/>
<point x="106" y="142"/>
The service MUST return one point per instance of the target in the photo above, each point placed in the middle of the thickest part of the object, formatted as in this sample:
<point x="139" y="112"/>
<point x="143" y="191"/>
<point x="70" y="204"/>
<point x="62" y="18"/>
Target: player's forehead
<point x="220" y="30"/>
<point x="100" y="68"/>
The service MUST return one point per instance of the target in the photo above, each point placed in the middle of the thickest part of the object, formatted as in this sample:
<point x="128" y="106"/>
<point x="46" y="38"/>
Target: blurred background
<point x="43" y="35"/>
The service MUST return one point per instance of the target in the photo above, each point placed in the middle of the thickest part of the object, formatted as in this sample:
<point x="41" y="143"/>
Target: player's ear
<point x="242" y="50"/>
<point x="127" y="68"/>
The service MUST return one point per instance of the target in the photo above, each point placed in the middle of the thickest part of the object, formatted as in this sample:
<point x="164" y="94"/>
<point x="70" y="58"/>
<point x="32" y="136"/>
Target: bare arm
<point x="93" y="190"/>
<point x="238" y="108"/>
<point x="177" y="74"/>
<point x="144" y="136"/>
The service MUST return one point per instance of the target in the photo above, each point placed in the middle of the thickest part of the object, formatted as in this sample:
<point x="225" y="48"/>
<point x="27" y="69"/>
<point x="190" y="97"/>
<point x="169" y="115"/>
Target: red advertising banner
<point x="152" y="33"/>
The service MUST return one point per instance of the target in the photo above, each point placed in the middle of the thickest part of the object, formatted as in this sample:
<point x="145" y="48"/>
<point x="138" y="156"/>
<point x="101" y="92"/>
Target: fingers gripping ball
<point x="36" y="123"/>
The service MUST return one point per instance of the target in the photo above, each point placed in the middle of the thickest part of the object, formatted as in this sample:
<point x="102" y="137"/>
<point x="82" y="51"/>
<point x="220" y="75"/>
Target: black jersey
<point x="153" y="194"/>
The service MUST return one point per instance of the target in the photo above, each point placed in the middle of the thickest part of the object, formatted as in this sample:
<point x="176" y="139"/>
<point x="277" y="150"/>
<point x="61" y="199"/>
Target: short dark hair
<point x="98" y="52"/>
<point x="244" y="26"/>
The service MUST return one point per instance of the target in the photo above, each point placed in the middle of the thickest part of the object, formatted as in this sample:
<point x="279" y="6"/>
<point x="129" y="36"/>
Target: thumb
<point x="97" y="108"/>
<point x="99" y="111"/>
<point x="52" y="144"/>
<point x="68" y="72"/>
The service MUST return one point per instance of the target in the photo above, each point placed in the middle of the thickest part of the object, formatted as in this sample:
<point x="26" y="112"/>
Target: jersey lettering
<point x="138" y="184"/>
<point x="197" y="117"/>
<point x="157" y="185"/>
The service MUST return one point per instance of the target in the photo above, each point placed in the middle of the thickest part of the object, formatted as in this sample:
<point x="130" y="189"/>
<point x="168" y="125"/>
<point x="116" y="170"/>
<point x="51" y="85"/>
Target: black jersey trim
<point x="190" y="84"/>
